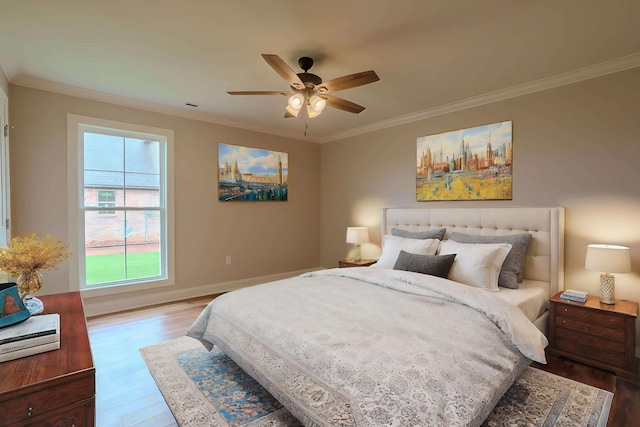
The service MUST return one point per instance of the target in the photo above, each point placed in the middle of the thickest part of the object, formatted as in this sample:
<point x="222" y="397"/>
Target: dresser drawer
<point x="77" y="415"/>
<point x="600" y="318"/>
<point x="26" y="407"/>
<point x="613" y="358"/>
<point x="591" y="340"/>
<point x="589" y="328"/>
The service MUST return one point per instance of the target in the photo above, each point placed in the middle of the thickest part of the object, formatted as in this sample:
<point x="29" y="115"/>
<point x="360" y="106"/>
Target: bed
<point x="386" y="346"/>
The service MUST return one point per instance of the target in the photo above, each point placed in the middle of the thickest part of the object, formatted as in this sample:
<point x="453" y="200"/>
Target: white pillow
<point x="392" y="245"/>
<point x="476" y="265"/>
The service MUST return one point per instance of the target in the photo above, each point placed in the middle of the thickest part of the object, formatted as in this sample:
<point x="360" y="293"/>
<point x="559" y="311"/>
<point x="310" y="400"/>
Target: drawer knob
<point x="566" y="309"/>
<point x="587" y="314"/>
<point x="30" y="410"/>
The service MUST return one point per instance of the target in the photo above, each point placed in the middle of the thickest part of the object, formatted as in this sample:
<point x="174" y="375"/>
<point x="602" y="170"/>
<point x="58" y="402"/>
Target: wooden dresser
<point x="56" y="388"/>
<point x="601" y="335"/>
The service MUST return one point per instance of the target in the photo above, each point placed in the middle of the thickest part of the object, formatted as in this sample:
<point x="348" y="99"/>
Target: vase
<point x="29" y="284"/>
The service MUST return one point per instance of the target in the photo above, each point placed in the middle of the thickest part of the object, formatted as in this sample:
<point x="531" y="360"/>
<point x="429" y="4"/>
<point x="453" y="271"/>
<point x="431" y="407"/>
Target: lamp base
<point x="356" y="255"/>
<point x="607" y="288"/>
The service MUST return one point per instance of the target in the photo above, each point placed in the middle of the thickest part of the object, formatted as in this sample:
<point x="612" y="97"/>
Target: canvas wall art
<point x="252" y="174"/>
<point x="467" y="164"/>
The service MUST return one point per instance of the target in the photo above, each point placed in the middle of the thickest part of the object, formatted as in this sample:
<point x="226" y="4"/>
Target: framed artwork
<point x="254" y="174"/>
<point x="467" y="164"/>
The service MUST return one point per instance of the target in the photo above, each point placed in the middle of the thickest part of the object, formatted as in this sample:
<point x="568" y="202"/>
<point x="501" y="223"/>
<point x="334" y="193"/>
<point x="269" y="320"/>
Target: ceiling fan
<point x="308" y="89"/>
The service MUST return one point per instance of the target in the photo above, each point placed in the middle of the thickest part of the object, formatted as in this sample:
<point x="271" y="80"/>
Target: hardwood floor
<point x="126" y="395"/>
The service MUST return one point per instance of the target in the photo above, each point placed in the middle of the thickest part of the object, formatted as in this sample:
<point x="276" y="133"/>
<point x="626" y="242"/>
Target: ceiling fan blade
<point x="259" y="93"/>
<point x="347" y="82"/>
<point x="284" y="70"/>
<point x="343" y="104"/>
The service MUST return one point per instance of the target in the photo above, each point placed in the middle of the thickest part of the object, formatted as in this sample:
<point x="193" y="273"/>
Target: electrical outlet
<point x="227" y="260"/>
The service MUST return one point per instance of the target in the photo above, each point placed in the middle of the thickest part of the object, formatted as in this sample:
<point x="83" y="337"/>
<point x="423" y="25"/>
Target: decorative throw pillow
<point x="434" y="265"/>
<point x="427" y="234"/>
<point x="392" y="245"/>
<point x="476" y="265"/>
<point x="511" y="273"/>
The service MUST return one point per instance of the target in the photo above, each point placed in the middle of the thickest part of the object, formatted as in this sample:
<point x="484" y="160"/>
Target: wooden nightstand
<point x="351" y="263"/>
<point x="56" y="388"/>
<point x="601" y="335"/>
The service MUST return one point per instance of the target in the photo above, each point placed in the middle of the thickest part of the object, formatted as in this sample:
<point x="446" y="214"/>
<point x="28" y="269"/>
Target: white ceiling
<point x="429" y="54"/>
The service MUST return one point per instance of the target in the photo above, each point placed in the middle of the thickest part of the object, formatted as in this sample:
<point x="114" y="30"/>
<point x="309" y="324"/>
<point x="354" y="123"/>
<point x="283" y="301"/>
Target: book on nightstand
<point x="30" y="351"/>
<point x="35" y="335"/>
<point x="573" y="295"/>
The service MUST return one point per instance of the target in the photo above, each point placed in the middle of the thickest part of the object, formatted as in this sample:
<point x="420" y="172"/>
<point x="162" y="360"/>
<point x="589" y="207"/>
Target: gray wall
<point x="576" y="146"/>
<point x="263" y="238"/>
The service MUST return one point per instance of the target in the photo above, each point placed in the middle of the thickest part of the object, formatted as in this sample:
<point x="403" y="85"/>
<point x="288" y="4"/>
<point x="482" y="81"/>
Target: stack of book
<point x="573" y="295"/>
<point x="35" y="335"/>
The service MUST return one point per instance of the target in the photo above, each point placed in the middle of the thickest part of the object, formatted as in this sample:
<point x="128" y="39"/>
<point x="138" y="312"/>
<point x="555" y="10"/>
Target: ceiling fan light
<point x="316" y="105"/>
<point x="296" y="101"/>
<point x="294" y="104"/>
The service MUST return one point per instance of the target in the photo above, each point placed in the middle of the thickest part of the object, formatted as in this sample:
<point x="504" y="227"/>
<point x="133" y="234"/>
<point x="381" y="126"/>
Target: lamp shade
<point x="315" y="106"/>
<point x="357" y="235"/>
<point x="294" y="104"/>
<point x="608" y="259"/>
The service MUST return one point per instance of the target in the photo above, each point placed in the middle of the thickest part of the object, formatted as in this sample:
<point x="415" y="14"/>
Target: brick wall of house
<point x="107" y="231"/>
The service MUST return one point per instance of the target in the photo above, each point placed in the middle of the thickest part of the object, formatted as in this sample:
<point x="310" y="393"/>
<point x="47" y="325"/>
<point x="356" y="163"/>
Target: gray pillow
<point x="511" y="273"/>
<point x="429" y="234"/>
<point x="434" y="265"/>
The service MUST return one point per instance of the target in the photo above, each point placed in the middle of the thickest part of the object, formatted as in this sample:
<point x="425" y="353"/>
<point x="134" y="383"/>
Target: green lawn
<point x="111" y="268"/>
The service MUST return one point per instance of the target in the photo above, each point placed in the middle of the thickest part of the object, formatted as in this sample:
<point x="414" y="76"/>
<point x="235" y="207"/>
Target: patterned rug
<point x="208" y="389"/>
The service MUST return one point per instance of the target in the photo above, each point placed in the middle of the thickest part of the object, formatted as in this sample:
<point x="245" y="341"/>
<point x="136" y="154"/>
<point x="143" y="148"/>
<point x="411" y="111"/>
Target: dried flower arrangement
<point x="27" y="256"/>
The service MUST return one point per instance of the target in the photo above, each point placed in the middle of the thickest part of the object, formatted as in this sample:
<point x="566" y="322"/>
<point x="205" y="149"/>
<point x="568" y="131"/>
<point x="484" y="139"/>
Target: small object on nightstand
<point x="353" y="263"/>
<point x="357" y="235"/>
<point x="573" y="295"/>
<point x="595" y="333"/>
<point x="608" y="259"/>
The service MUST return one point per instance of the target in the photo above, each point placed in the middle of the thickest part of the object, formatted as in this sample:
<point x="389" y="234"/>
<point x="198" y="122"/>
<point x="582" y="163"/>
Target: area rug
<point x="208" y="389"/>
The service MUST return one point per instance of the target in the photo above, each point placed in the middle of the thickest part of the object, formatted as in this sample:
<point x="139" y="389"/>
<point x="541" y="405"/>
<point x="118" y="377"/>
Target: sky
<point x="476" y="137"/>
<point x="252" y="160"/>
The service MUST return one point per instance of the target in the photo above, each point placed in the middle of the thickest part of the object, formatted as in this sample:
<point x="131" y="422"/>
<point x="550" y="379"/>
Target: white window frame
<point x="76" y="125"/>
<point x="5" y="193"/>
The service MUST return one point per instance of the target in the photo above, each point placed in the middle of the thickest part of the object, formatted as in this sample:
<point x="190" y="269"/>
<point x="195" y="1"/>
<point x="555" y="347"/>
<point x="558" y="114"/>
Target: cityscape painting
<point x="468" y="164"/>
<point x="254" y="174"/>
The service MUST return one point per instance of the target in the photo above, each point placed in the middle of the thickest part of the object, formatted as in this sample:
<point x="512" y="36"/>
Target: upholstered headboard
<point x="545" y="257"/>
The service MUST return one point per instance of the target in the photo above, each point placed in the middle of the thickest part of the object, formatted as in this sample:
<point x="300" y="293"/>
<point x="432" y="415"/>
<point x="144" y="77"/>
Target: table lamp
<point x="608" y="259"/>
<point x="357" y="235"/>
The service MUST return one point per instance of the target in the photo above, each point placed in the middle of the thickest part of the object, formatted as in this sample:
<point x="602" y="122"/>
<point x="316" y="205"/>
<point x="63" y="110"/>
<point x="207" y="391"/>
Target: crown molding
<point x="597" y="70"/>
<point x="64" y="89"/>
<point x="604" y="68"/>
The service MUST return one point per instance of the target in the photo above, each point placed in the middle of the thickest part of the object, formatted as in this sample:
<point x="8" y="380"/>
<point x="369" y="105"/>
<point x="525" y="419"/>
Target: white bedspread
<point x="367" y="347"/>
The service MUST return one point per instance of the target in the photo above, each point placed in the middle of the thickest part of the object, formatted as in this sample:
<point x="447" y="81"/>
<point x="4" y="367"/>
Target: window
<point x="127" y="169"/>
<point x="106" y="199"/>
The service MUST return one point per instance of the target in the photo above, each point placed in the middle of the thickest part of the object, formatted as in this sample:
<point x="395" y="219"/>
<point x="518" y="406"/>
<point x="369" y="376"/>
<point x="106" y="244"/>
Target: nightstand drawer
<point x="610" y="357"/>
<point x="590" y="340"/>
<point x="601" y="331"/>
<point x="591" y="316"/>
<point x="32" y="405"/>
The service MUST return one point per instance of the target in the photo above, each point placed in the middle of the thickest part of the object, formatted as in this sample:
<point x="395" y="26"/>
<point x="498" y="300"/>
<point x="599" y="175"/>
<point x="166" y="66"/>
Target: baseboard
<point x="106" y="304"/>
